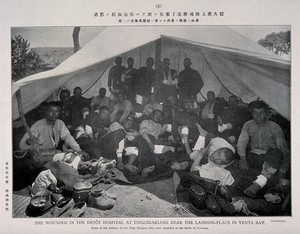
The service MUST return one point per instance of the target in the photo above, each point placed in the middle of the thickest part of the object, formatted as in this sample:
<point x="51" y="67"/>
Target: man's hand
<point x="32" y="141"/>
<point x="84" y="155"/>
<point x="243" y="165"/>
<point x="120" y="165"/>
<point x="219" y="121"/>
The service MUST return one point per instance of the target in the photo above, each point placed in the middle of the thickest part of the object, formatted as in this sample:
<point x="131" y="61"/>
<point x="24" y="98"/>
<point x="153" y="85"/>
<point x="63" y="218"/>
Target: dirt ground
<point x="152" y="199"/>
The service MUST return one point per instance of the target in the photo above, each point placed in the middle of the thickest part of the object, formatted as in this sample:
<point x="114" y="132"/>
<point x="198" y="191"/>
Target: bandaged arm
<point x="243" y="142"/>
<point x="144" y="126"/>
<point x="197" y="159"/>
<point x="165" y="128"/>
<point x="261" y="180"/>
<point x="146" y="137"/>
<point x="224" y="127"/>
<point x="120" y="148"/>
<point x="67" y="137"/>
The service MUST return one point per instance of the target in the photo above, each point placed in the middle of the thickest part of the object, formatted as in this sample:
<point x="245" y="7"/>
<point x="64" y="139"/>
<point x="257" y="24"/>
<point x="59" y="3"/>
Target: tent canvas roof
<point x="232" y="50"/>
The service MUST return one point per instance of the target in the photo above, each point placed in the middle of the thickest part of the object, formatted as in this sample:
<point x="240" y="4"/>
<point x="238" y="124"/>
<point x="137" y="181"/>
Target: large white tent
<point x="228" y="62"/>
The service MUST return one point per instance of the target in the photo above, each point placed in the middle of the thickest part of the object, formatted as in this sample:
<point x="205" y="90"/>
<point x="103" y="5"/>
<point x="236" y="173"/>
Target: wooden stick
<point x="22" y="116"/>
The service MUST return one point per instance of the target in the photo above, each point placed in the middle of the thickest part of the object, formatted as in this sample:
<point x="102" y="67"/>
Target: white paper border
<point x="80" y="13"/>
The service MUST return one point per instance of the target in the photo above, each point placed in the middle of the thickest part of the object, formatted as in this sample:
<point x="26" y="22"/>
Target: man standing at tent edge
<point x="144" y="82"/>
<point x="189" y="82"/>
<point x="114" y="75"/>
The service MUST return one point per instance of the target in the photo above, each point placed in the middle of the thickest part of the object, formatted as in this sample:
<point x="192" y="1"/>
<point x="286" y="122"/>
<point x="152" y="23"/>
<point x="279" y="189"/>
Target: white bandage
<point x="75" y="162"/>
<point x="59" y="157"/>
<point x="185" y="131"/>
<point x="200" y="143"/>
<point x="119" y="151"/>
<point x="130" y="137"/>
<point x="88" y="130"/>
<point x="194" y="155"/>
<point x="211" y="116"/>
<point x="139" y="99"/>
<point x="222" y="128"/>
<point x="158" y="149"/>
<point x="138" y="115"/>
<point x="161" y="149"/>
<point x="261" y="180"/>
<point x="169" y="128"/>
<point x="131" y="150"/>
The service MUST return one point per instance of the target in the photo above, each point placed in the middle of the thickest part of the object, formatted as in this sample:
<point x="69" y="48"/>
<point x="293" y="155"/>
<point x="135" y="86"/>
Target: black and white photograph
<point x="152" y="121"/>
<point x="149" y="116"/>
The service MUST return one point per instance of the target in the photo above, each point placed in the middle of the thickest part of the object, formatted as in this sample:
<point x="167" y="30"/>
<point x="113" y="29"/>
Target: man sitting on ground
<point x="260" y="134"/>
<point x="78" y="103"/>
<point x="150" y="130"/>
<point x="85" y="136"/>
<point x="208" y="112"/>
<point x="101" y="99"/>
<point x="121" y="110"/>
<point x="66" y="109"/>
<point x="230" y="120"/>
<point x="152" y="105"/>
<point x="186" y="117"/>
<point x="47" y="132"/>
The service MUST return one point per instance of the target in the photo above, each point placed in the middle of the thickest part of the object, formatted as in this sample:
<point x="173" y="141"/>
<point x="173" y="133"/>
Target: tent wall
<point x="228" y="73"/>
<point x="204" y="60"/>
<point x="228" y="62"/>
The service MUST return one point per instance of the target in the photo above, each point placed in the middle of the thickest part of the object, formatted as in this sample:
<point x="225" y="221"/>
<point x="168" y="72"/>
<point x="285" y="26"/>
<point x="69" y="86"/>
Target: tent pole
<point x="22" y="116"/>
<point x="157" y="53"/>
<point x="179" y="57"/>
<point x="140" y="56"/>
<point x="157" y="61"/>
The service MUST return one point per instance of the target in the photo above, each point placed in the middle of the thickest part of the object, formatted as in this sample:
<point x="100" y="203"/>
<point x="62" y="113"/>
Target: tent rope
<point x="216" y="74"/>
<point x="99" y="77"/>
<point x="203" y="95"/>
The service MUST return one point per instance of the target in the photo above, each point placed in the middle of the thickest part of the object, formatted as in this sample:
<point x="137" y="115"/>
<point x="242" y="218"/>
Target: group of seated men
<point x="133" y="133"/>
<point x="217" y="132"/>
